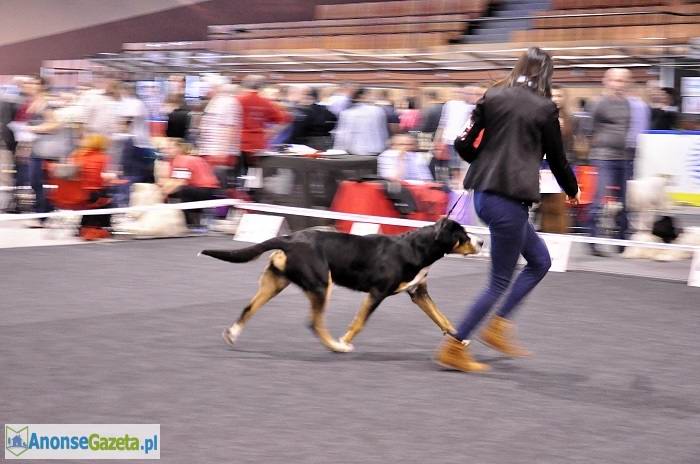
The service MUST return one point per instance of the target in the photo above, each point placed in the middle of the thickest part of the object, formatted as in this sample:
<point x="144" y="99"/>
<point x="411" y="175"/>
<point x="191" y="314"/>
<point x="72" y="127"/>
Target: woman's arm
<point x="554" y="148"/>
<point x="49" y="125"/>
<point x="464" y="144"/>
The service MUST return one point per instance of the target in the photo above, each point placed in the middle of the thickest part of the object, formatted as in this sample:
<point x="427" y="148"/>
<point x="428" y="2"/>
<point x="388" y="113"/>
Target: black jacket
<point x="519" y="126"/>
<point x="8" y="110"/>
<point x="430" y="118"/>
<point x="662" y="119"/>
<point x="178" y="123"/>
<point x="315" y="121"/>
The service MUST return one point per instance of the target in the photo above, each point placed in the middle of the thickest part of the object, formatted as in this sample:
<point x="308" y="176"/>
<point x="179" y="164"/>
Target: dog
<point x="153" y="223"/>
<point x="378" y="265"/>
<point x="646" y="197"/>
<point x="688" y="236"/>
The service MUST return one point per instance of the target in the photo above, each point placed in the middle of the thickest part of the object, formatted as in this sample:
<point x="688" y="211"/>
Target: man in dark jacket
<point x="8" y="109"/>
<point x="430" y="116"/>
<point x="314" y="125"/>
<point x="664" y="112"/>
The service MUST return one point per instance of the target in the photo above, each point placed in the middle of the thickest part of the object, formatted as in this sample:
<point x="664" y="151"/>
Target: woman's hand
<point x="574" y="201"/>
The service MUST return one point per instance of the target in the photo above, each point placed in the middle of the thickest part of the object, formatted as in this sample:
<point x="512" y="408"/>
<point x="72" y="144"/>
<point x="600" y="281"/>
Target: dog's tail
<point x="243" y="255"/>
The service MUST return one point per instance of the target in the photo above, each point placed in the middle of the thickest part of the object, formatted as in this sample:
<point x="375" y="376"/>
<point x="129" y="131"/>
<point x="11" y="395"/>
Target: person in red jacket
<point x="87" y="188"/>
<point x="259" y="114"/>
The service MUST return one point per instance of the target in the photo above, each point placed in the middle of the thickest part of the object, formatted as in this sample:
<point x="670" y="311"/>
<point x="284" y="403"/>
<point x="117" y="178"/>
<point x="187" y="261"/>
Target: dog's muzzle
<point x="471" y="247"/>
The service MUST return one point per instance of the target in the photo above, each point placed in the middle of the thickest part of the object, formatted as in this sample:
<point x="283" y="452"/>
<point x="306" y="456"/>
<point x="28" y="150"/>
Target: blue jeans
<point x="37" y="177"/>
<point x="22" y="169"/>
<point x="611" y="173"/>
<point x="512" y="235"/>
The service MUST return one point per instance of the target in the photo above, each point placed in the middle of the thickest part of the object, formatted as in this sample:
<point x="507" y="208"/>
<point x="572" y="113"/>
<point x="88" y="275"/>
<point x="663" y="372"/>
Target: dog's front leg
<point x="419" y="295"/>
<point x="319" y="300"/>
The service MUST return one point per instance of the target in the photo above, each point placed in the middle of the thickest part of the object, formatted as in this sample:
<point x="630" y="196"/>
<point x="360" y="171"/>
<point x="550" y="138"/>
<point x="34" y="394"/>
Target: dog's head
<point x="455" y="239"/>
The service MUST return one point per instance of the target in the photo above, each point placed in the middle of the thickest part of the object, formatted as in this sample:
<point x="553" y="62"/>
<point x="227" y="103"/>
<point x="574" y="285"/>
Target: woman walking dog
<point x="520" y="124"/>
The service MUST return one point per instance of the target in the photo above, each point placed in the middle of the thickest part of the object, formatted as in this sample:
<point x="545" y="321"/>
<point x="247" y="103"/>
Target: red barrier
<point x="587" y="178"/>
<point x="369" y="198"/>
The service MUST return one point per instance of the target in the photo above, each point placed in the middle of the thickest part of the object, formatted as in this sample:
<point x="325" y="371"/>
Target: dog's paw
<point x="231" y="334"/>
<point x="342" y="347"/>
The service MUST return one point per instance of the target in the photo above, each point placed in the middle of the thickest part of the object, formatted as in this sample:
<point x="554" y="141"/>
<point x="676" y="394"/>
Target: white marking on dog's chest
<point x="420" y="277"/>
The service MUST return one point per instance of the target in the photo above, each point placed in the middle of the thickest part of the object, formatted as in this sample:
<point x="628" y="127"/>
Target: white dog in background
<point x="152" y="223"/>
<point x="646" y="198"/>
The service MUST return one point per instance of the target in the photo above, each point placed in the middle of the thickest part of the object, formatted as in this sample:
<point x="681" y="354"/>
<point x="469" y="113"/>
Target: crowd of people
<point x="210" y="145"/>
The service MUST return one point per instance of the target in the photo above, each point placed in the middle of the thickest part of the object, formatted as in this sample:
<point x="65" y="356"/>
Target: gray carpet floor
<point x="130" y="333"/>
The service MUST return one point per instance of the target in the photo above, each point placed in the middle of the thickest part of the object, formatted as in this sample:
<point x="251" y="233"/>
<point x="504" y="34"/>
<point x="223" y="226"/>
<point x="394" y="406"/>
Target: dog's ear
<point x="442" y="229"/>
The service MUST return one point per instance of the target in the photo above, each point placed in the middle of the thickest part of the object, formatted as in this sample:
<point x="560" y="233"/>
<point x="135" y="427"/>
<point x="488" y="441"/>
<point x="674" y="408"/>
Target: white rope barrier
<point x="129" y="209"/>
<point x="267" y="208"/>
<point x="324" y="214"/>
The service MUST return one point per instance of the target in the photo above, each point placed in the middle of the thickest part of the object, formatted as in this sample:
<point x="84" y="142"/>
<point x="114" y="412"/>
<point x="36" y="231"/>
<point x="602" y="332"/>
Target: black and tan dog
<point x="376" y="264"/>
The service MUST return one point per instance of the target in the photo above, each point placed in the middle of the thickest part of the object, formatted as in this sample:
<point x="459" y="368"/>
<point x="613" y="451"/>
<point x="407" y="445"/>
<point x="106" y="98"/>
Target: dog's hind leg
<point x="419" y="295"/>
<point x="272" y="282"/>
<point x="319" y="300"/>
<point x="369" y="304"/>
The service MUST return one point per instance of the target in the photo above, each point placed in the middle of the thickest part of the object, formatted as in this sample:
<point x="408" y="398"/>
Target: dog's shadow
<point x="421" y="356"/>
<point x="330" y="357"/>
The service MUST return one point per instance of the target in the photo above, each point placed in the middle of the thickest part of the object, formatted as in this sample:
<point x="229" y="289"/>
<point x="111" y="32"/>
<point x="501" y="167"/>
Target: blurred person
<point x="392" y="116"/>
<point x="220" y="127"/>
<point x="560" y="99"/>
<point x="274" y="92"/>
<point x="325" y="93"/>
<point x="362" y="128"/>
<point x="178" y="124"/>
<point x="52" y="143"/>
<point x="664" y="112"/>
<point x="402" y="161"/>
<point x="103" y="115"/>
<point x="454" y="118"/>
<point x="612" y="131"/>
<point x="135" y="112"/>
<point x="176" y="85"/>
<point x="431" y="113"/>
<point x="429" y="123"/>
<point x="293" y="105"/>
<point x="188" y="178"/>
<point x="341" y="99"/>
<point x="10" y="102"/>
<point x="136" y="167"/>
<point x="409" y="118"/>
<point x="27" y="93"/>
<point x="196" y="112"/>
<point x="520" y="123"/>
<point x="132" y="140"/>
<point x="260" y="117"/>
<point x="552" y="213"/>
<point x="640" y="119"/>
<point x="581" y="130"/>
<point x="103" y="108"/>
<point x="9" y="105"/>
<point x="314" y="127"/>
<point x="87" y="188"/>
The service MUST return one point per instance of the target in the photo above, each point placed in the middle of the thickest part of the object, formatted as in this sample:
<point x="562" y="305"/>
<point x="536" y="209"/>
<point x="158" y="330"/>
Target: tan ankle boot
<point x="499" y="334"/>
<point x="453" y="354"/>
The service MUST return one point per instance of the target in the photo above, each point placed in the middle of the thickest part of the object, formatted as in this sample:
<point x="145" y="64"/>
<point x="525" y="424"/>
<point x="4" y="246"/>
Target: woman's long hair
<point x="534" y="70"/>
